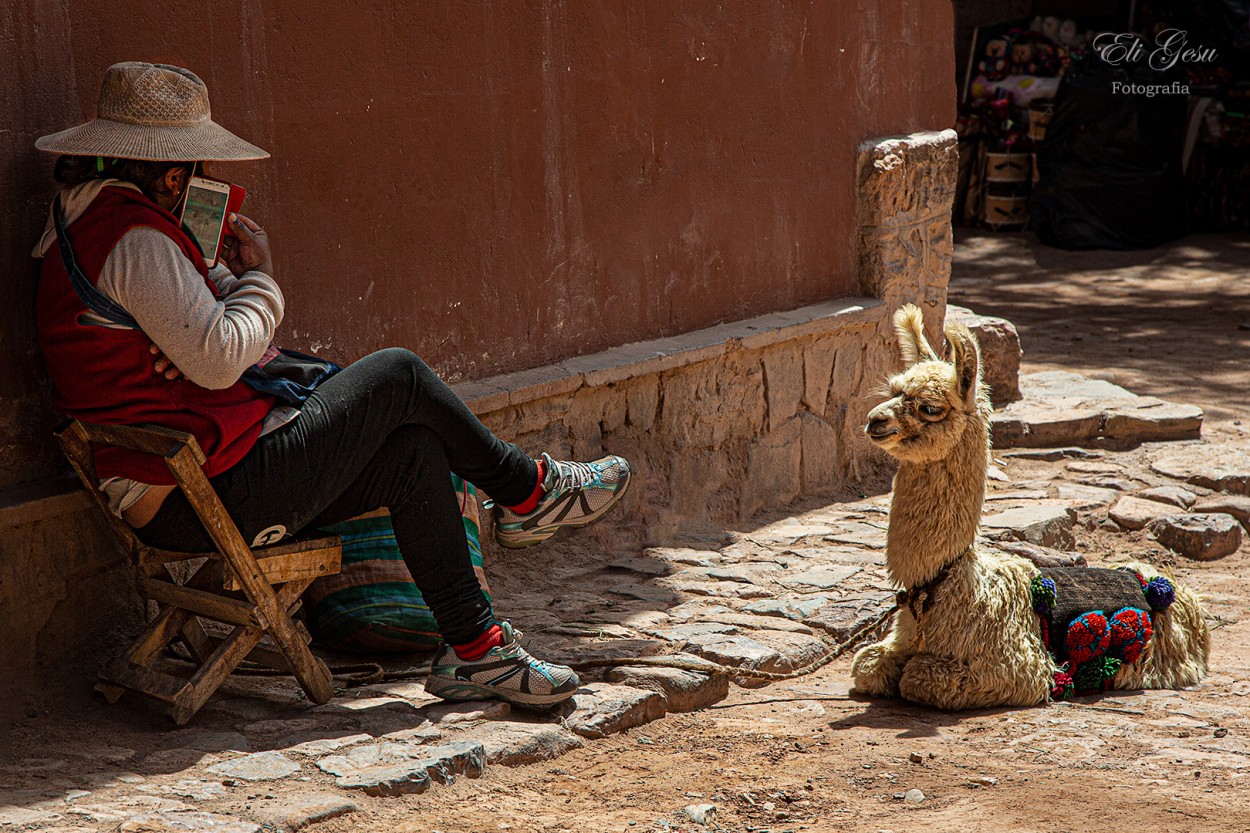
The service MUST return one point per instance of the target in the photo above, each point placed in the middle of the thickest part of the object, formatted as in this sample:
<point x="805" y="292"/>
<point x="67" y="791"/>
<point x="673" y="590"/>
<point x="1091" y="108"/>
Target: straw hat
<point x="152" y="112"/>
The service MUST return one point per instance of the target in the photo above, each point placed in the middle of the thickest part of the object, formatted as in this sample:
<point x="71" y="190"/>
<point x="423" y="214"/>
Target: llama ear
<point x="962" y="351"/>
<point x="909" y="326"/>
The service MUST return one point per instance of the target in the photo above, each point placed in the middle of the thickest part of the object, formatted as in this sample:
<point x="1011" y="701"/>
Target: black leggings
<point x="384" y="432"/>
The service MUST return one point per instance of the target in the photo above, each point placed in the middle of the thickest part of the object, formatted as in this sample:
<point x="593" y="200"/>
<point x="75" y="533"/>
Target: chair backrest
<point x="185" y="459"/>
<point x="75" y="440"/>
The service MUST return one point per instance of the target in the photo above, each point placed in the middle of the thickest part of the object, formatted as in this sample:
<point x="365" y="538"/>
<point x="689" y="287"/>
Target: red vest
<point x="105" y="375"/>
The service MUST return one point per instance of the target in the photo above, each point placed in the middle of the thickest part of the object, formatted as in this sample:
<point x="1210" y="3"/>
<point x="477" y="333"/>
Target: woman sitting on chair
<point x="385" y="431"/>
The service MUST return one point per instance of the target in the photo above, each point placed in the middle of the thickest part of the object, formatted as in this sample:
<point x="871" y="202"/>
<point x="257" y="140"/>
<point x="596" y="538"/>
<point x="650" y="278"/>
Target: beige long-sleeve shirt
<point x="211" y="339"/>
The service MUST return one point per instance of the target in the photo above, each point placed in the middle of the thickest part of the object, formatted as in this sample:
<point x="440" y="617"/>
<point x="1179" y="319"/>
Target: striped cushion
<point x="372" y="605"/>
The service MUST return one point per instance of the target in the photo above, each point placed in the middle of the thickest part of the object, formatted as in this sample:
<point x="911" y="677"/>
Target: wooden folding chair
<point x="253" y="592"/>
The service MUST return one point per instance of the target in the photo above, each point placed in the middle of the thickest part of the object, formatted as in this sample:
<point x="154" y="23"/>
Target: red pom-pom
<point x="1130" y="630"/>
<point x="1088" y="637"/>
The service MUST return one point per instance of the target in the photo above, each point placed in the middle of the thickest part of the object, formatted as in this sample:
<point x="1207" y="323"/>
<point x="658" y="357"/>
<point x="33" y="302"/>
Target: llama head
<point x="935" y="399"/>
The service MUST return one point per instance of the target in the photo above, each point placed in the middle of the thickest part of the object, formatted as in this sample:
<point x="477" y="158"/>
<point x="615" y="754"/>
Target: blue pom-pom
<point x="1044" y="595"/>
<point x="1160" y="594"/>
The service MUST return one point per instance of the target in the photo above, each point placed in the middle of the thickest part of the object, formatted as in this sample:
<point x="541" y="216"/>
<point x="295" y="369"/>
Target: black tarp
<point x="1110" y="166"/>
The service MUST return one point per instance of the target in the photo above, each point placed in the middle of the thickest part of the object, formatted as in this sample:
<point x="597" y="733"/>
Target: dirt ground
<point x="805" y="756"/>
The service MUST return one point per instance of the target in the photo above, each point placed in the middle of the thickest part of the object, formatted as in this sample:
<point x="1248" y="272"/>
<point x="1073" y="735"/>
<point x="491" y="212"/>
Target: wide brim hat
<point x="152" y="112"/>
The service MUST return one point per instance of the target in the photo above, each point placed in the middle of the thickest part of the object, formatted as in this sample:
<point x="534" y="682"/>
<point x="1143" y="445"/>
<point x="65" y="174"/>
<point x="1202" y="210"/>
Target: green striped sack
<point x="372" y="605"/>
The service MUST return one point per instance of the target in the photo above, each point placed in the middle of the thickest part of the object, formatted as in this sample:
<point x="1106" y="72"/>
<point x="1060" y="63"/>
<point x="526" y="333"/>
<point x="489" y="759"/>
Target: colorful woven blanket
<point x="372" y="605"/>
<point x="1089" y="645"/>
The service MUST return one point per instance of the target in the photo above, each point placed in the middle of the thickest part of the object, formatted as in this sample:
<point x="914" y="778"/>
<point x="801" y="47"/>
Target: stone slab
<point x="1043" y="557"/>
<point x="189" y="821"/>
<point x="259" y="766"/>
<point x="795" y="609"/>
<point x="1025" y="494"/>
<point x="1079" y="496"/>
<point x="315" y="744"/>
<point x="744" y="573"/>
<point x="734" y="651"/>
<point x="772" y="651"/>
<point x="860" y="534"/>
<point x="751" y="621"/>
<point x="1053" y="454"/>
<point x="602" y="709"/>
<point x="439" y="766"/>
<point x="1109" y="481"/>
<point x="820" y="578"/>
<point x="195" y="789"/>
<point x="681" y="690"/>
<point x="1000" y="352"/>
<point x="118" y="810"/>
<point x="1203" y="537"/>
<point x="20" y="817"/>
<point x="1133" y="512"/>
<point x="1066" y="409"/>
<point x="295" y="812"/>
<point x="845" y="618"/>
<point x="647" y="566"/>
<point x="1222" y="468"/>
<point x="645" y="592"/>
<point x="1044" y="524"/>
<point x="795" y="650"/>
<point x="1097" y="467"/>
<point x="1176" y="496"/>
<point x="722" y="589"/>
<point x="513" y="743"/>
<point x="468" y="712"/>
<point x="1236" y="505"/>
<point x="381" y="754"/>
<point x="692" y="630"/>
<point x="630" y="361"/>
<point x="612" y="649"/>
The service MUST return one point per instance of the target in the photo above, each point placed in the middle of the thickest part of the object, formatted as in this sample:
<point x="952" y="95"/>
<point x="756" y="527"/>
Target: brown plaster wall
<point x="496" y="185"/>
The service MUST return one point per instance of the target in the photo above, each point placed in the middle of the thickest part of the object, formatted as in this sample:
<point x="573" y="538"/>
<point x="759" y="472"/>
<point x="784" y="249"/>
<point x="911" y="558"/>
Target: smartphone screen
<point x="204" y="214"/>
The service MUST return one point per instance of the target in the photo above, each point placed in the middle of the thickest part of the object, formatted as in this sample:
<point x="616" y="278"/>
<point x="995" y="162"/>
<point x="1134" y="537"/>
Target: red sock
<point x="531" y="503"/>
<point x="492" y="637"/>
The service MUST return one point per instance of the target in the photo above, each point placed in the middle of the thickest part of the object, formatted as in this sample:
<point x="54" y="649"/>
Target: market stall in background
<point x="1122" y="129"/>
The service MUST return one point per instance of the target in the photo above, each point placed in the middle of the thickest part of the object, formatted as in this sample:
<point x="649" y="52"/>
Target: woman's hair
<point x="148" y="176"/>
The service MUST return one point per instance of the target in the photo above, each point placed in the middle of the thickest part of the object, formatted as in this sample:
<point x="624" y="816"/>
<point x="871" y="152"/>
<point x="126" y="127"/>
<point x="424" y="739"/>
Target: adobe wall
<point x="495" y="186"/>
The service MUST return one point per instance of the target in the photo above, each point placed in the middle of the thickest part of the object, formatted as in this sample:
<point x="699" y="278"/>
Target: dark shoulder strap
<point x="94" y="299"/>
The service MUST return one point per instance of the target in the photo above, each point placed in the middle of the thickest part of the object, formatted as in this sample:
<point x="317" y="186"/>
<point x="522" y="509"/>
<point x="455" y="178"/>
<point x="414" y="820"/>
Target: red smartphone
<point x="233" y="204"/>
<point x="204" y="211"/>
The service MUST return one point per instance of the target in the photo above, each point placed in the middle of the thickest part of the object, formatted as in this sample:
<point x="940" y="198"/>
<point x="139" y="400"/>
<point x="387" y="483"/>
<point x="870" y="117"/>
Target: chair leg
<point x="198" y="642"/>
<point x="311" y="673"/>
<point x="208" y="678"/>
<point x="111" y="693"/>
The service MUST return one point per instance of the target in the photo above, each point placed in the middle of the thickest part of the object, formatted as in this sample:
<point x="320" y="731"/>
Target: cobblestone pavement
<point x="772" y="599"/>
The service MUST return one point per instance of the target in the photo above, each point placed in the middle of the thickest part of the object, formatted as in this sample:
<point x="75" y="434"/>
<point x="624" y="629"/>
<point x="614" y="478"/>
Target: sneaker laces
<point x="571" y="475"/>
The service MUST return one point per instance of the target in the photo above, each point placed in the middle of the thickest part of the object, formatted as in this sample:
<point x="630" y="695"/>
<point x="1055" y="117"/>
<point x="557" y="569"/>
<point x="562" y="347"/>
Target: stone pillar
<point x="906" y="186"/>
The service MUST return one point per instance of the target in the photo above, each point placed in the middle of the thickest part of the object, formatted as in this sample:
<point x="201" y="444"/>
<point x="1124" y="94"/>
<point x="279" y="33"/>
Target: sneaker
<point x="576" y="494"/>
<point x="507" y="672"/>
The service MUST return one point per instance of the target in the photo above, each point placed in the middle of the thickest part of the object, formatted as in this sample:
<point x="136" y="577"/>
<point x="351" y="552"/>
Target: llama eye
<point x="930" y="410"/>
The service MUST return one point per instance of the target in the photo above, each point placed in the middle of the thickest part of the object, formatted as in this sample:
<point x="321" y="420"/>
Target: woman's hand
<point x="249" y="248"/>
<point x="163" y="365"/>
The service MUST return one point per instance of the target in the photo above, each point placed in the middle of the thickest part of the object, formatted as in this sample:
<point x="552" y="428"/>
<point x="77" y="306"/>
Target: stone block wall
<point x="718" y="424"/>
<point x="67" y="599"/>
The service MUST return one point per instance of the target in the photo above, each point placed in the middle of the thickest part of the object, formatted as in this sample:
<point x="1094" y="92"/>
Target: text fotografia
<point x="1149" y="90"/>
<point x="1171" y="48"/>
